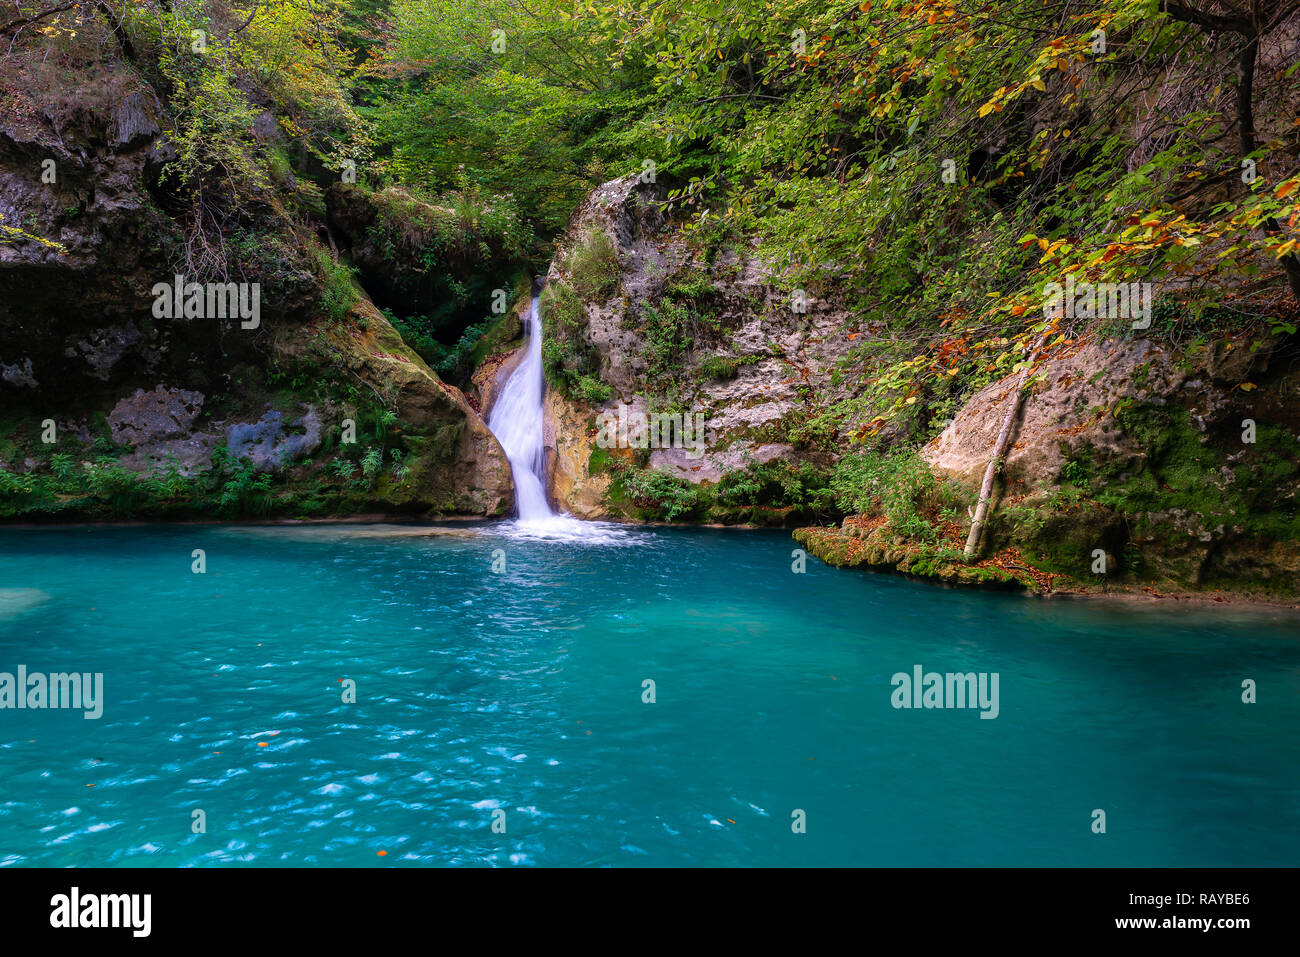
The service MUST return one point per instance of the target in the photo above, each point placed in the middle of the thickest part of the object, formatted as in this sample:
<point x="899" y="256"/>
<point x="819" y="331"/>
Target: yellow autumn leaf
<point x="1247" y="387"/>
<point x="1038" y="84"/>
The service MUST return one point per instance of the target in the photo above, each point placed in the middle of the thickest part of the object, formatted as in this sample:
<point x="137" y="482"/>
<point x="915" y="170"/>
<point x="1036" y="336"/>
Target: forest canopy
<point x="939" y="162"/>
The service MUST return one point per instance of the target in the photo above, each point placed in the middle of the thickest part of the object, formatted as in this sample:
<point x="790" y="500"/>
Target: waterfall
<point x="516" y="420"/>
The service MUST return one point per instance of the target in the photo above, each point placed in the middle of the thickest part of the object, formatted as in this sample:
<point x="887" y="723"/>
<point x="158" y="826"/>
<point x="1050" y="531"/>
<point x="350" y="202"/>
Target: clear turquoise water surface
<point x="522" y="691"/>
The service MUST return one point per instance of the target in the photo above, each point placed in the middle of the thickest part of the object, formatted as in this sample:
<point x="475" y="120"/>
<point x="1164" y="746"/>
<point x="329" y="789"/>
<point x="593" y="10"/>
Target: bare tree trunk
<point x="1246" y="141"/>
<point x="1250" y="26"/>
<point x="999" y="453"/>
<point x="119" y="31"/>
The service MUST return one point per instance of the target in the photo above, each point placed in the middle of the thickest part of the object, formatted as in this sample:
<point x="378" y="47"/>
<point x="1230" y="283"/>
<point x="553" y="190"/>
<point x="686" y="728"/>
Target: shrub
<point x="593" y="391"/>
<point x="570" y="364"/>
<point x="899" y="484"/>
<point x="338" y="292"/>
<point x="593" y="265"/>
<point x="777" y="484"/>
<point x="720" y="367"/>
<point x="651" y="490"/>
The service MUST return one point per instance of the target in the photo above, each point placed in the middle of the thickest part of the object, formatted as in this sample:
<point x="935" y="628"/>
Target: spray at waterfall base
<point x="632" y="429"/>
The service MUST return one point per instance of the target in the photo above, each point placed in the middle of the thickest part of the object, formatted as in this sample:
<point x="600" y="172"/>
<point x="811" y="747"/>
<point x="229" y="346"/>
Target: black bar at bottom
<point x="368" y="906"/>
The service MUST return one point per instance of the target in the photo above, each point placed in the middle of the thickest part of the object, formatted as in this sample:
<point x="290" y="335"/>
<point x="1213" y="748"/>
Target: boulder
<point x="161" y="413"/>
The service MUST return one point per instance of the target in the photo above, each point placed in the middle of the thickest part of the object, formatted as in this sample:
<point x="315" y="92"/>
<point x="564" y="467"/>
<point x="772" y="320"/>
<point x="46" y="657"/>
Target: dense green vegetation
<point x="936" y="165"/>
<point x="933" y="164"/>
<point x="774" y="493"/>
<point x="928" y="167"/>
<point x="70" y="487"/>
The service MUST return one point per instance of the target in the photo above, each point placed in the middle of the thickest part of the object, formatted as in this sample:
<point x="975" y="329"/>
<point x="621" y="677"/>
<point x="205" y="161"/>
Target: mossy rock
<point x="1063" y="540"/>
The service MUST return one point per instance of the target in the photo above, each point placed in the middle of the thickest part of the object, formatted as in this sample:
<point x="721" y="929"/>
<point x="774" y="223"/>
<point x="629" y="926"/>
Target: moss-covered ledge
<point x="862" y="542"/>
<point x="867" y="542"/>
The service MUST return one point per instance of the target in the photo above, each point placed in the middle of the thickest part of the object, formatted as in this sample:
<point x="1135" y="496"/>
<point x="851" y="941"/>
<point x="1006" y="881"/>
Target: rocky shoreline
<point x="849" y="548"/>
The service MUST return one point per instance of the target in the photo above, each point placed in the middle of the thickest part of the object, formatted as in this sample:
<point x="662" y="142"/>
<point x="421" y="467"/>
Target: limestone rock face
<point x="762" y="372"/>
<point x="160" y="425"/>
<point x="570" y="441"/>
<point x="80" y="176"/>
<point x="75" y="318"/>
<point x="161" y="413"/>
<point x="1079" y="397"/>
<point x="458" y="465"/>
<point x="1071" y="406"/>
<point x="1182" y="470"/>
<point x="266" y="444"/>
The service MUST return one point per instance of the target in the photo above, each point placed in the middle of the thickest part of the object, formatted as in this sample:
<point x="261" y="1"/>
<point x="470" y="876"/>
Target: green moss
<point x="571" y="365"/>
<point x="498" y="337"/>
<point x="592" y="266"/>
<point x="883" y="549"/>
<point x="1186" y="470"/>
<point x="1062" y="540"/>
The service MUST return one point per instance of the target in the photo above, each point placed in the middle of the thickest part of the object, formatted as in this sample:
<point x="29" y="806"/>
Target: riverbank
<point x="869" y="544"/>
<point x="1006" y="571"/>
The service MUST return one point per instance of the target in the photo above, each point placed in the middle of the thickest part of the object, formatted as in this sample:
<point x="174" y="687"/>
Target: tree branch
<point x="118" y="30"/>
<point x="19" y="24"/>
<point x="252" y="13"/>
<point x="1241" y="23"/>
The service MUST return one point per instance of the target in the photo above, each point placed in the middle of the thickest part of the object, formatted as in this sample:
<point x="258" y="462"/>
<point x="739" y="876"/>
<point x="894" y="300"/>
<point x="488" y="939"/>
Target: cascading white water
<point x="516" y="421"/>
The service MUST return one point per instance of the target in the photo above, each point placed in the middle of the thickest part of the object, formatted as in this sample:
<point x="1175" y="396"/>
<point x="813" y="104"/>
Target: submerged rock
<point x="15" y="601"/>
<point x="343" y="531"/>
